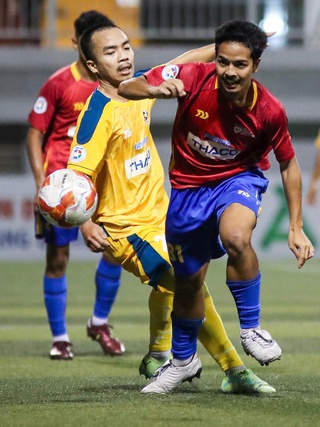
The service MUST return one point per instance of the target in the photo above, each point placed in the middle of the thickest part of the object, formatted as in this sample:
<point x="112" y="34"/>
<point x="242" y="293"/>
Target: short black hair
<point x="243" y="32"/>
<point x="89" y="19"/>
<point x="86" y="39"/>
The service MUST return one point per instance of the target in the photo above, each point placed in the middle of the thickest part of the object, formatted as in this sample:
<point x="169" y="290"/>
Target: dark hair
<point x="88" y="19"/>
<point x="244" y="32"/>
<point x="86" y="39"/>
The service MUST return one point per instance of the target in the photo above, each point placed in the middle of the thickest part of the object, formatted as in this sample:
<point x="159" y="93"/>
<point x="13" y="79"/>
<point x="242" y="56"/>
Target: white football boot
<point x="259" y="344"/>
<point x="169" y="376"/>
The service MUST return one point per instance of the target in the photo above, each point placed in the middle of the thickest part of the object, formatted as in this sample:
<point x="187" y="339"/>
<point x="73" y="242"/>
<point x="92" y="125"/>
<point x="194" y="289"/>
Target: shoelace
<point x="162" y="368"/>
<point x="260" y="338"/>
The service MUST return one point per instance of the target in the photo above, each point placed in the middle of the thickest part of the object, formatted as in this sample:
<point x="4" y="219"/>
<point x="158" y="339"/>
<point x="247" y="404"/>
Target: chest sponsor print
<point x="212" y="147"/>
<point x="138" y="165"/>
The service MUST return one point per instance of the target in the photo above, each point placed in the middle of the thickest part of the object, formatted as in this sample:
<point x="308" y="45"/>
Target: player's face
<point x="114" y="57"/>
<point x="234" y="69"/>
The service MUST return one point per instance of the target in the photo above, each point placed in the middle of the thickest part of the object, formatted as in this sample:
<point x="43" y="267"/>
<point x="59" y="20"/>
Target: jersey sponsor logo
<point x="138" y="165"/>
<point x="77" y="154"/>
<point x="41" y="105"/>
<point x="141" y="144"/>
<point x="170" y="72"/>
<point x="202" y="114"/>
<point x="212" y="147"/>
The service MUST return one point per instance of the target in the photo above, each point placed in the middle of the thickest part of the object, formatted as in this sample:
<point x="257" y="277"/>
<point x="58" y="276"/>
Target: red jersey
<point x="56" y="111"/>
<point x="212" y="139"/>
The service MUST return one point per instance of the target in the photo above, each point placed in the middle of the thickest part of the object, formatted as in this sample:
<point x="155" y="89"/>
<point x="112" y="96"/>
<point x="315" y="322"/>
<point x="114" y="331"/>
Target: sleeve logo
<point x="170" y="72"/>
<point x="41" y="105"/>
<point x="77" y="154"/>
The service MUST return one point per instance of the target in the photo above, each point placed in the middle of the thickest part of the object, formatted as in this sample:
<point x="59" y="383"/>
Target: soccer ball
<point x="67" y="198"/>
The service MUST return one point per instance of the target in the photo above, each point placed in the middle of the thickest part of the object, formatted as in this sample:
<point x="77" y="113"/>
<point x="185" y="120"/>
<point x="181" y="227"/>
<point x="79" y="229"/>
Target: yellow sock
<point x="160" y="307"/>
<point x="213" y="337"/>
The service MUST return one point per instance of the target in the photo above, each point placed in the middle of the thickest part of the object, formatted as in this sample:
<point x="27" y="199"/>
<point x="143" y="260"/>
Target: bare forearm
<point x="138" y="88"/>
<point x="135" y="89"/>
<point x="34" y="151"/>
<point x="292" y="185"/>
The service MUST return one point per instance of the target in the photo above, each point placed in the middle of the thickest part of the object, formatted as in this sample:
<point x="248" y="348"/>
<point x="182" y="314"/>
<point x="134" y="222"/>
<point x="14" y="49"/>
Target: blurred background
<point x="35" y="40"/>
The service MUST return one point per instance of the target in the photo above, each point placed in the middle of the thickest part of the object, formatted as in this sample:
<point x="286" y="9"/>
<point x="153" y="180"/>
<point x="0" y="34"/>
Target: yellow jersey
<point x="114" y="146"/>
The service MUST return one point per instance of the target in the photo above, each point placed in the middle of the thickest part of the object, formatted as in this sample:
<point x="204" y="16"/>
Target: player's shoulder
<point x="97" y="101"/>
<point x="58" y="82"/>
<point x="61" y="74"/>
<point x="93" y="113"/>
<point x="269" y="100"/>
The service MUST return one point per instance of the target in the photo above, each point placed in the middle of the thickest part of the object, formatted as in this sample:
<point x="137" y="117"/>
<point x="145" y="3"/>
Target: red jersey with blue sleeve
<point x="55" y="114"/>
<point x="212" y="139"/>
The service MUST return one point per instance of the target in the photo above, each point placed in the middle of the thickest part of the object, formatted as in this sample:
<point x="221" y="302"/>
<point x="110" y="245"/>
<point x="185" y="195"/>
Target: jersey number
<point x="175" y="253"/>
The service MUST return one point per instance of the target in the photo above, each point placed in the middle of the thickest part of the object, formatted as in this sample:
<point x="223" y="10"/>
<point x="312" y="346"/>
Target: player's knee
<point x="236" y="242"/>
<point x="187" y="287"/>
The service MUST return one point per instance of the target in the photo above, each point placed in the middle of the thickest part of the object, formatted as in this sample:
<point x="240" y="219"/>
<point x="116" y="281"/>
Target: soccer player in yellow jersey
<point x="114" y="146"/>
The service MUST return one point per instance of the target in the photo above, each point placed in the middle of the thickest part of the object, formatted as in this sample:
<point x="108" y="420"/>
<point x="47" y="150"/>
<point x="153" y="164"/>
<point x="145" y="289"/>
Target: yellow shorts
<point x="143" y="253"/>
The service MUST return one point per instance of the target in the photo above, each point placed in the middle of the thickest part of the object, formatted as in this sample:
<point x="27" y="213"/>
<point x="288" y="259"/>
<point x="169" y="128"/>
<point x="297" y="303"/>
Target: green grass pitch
<point x="95" y="390"/>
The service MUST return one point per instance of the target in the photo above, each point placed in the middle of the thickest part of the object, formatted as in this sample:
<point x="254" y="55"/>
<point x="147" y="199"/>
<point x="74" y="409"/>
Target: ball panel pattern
<point x="67" y="198"/>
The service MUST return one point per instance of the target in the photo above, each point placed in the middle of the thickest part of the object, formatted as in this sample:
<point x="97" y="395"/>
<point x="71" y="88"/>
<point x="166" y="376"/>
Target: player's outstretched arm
<point x="201" y="54"/>
<point x="298" y="242"/>
<point x="138" y="88"/>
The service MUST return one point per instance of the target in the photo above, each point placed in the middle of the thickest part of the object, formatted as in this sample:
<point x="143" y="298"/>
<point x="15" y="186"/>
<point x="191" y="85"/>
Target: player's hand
<point x="169" y="89"/>
<point x="301" y="247"/>
<point x="94" y="236"/>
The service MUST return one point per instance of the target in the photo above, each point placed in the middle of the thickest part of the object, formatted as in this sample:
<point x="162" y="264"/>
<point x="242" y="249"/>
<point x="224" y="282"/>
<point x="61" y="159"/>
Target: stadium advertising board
<point x="17" y="223"/>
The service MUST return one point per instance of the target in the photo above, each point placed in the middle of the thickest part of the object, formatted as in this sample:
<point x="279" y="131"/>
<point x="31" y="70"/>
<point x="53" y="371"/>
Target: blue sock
<point x="107" y="284"/>
<point x="184" y="336"/>
<point x="55" y="299"/>
<point x="246" y="295"/>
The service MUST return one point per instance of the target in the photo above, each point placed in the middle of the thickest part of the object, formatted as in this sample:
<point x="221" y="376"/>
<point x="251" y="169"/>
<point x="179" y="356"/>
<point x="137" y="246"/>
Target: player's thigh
<point x="110" y="259"/>
<point x="236" y="223"/>
<point x="144" y="254"/>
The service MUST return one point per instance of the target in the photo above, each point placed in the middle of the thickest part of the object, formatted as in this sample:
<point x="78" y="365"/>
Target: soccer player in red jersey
<point x="226" y="124"/>
<point x="52" y="125"/>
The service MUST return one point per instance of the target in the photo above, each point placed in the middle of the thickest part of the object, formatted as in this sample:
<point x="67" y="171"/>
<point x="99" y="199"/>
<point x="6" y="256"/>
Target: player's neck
<point x="85" y="73"/>
<point x="244" y="99"/>
<point x="110" y="91"/>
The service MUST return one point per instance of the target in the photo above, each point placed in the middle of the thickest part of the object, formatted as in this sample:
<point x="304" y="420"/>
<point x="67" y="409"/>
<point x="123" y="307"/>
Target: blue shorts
<point x="192" y="225"/>
<point x="60" y="236"/>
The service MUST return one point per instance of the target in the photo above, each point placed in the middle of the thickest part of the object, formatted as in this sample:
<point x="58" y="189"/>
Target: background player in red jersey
<point x="52" y="124"/>
<point x="226" y="123"/>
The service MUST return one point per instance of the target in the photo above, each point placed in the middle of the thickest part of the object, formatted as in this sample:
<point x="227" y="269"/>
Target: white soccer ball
<point x="67" y="198"/>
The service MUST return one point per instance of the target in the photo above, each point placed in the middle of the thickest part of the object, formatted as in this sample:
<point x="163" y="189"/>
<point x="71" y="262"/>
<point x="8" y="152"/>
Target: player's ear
<point x="92" y="66"/>
<point x="256" y="64"/>
<point x="75" y="43"/>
